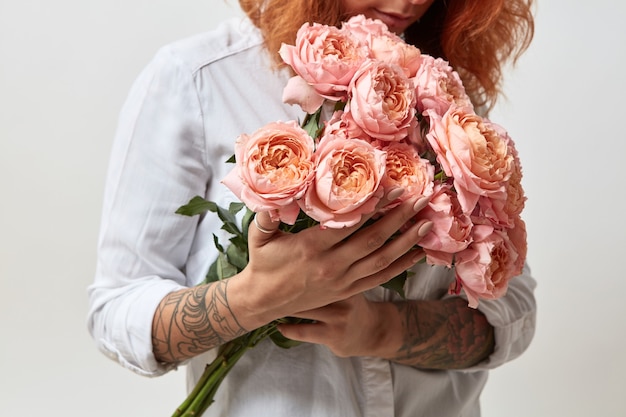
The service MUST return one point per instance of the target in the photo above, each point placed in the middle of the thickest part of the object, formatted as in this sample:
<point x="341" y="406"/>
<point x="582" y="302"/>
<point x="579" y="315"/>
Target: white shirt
<point x="175" y="133"/>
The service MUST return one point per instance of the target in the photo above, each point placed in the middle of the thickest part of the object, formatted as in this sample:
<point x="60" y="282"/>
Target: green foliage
<point x="234" y="258"/>
<point x="397" y="283"/>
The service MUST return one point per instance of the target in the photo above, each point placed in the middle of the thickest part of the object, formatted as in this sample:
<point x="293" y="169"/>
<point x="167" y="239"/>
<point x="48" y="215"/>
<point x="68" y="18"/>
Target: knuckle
<point x="375" y="241"/>
<point x="382" y="262"/>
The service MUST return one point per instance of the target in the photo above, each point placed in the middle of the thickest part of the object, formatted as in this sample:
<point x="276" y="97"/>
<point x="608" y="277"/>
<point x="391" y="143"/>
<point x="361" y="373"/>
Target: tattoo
<point x="189" y="322"/>
<point x="444" y="335"/>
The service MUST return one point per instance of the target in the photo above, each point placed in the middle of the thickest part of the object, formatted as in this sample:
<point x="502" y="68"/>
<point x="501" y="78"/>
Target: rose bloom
<point x="363" y="28"/>
<point x="382" y="102"/>
<point x="384" y="45"/>
<point x="451" y="230"/>
<point x="484" y="269"/>
<point x="519" y="239"/>
<point x="472" y="153"/>
<point x="340" y="126"/>
<point x="347" y="183"/>
<point x="326" y="58"/>
<point x="407" y="170"/>
<point x="274" y="168"/>
<point x="438" y="87"/>
<point x="505" y="211"/>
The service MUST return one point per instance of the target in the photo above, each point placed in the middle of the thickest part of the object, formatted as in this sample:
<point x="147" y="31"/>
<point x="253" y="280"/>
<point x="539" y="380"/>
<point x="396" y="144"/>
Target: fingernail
<point x="395" y="193"/>
<point x="425" y="228"/>
<point x="420" y="203"/>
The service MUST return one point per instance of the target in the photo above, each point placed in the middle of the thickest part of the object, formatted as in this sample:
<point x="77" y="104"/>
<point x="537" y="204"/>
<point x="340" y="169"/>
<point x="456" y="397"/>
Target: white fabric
<point x="175" y="133"/>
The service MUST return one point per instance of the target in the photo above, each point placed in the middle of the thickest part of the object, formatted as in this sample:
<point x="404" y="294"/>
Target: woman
<point x="369" y="354"/>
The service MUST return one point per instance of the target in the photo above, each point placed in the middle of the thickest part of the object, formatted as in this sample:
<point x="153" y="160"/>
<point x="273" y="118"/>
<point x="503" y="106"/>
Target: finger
<point x="401" y="264"/>
<point x="323" y="314"/>
<point x="330" y="237"/>
<point x="264" y="228"/>
<point x="392" y="250"/>
<point x="304" y="332"/>
<point x="369" y="239"/>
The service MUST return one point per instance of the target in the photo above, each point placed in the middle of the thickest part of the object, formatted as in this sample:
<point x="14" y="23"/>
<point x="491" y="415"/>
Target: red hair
<point x="477" y="37"/>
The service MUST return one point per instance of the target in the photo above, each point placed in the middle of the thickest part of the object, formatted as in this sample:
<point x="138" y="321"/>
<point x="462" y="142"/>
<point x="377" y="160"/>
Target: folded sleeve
<point x="158" y="162"/>
<point x="513" y="317"/>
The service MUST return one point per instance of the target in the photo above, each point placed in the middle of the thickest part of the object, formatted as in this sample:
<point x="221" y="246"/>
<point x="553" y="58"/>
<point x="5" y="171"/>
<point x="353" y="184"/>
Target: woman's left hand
<point x="351" y="327"/>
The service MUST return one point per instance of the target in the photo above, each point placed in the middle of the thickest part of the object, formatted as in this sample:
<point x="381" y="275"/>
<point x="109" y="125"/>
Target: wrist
<point x="249" y="306"/>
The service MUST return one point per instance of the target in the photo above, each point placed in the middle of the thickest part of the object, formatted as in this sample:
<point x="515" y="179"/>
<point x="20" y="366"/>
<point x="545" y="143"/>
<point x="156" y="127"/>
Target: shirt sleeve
<point x="513" y="317"/>
<point x="158" y="162"/>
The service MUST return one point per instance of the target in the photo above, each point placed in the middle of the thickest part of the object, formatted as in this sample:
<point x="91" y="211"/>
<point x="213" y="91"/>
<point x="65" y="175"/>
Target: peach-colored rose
<point x="472" y="153"/>
<point x="451" y="230"/>
<point x="326" y="58"/>
<point x="382" y="102"/>
<point x="340" y="126"/>
<point x="393" y="50"/>
<point x="407" y="170"/>
<point x="519" y="240"/>
<point x="485" y="268"/>
<point x="299" y="92"/>
<point x="384" y="45"/>
<point x="364" y="28"/>
<point x="347" y="181"/>
<point x="504" y="211"/>
<point x="274" y="168"/>
<point x="438" y="87"/>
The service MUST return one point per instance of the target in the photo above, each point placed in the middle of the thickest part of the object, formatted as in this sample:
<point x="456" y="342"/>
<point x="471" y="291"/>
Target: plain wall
<point x="65" y="69"/>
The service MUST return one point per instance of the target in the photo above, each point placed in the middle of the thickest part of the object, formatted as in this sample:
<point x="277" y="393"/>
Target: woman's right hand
<point x="288" y="273"/>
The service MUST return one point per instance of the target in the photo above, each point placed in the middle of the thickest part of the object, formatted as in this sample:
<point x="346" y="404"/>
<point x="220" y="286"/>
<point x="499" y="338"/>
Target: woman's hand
<point x="351" y="327"/>
<point x="290" y="273"/>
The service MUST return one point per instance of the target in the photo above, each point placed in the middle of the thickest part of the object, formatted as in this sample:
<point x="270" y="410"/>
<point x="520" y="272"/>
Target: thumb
<point x="264" y="227"/>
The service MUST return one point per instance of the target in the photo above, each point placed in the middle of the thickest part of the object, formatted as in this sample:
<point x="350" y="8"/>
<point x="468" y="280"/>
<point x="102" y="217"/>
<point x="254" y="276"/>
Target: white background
<point x="65" y="68"/>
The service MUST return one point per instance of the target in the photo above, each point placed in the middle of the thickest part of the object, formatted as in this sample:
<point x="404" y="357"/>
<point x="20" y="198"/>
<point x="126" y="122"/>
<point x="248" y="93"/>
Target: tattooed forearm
<point x="189" y="322"/>
<point x="444" y="334"/>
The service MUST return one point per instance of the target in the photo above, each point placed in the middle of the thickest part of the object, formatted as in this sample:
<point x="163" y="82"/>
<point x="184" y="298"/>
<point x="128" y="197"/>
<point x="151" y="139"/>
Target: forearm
<point x="191" y="321"/>
<point x="441" y="334"/>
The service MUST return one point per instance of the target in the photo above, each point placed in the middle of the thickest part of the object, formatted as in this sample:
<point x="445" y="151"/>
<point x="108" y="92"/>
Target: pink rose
<point x="347" y="182"/>
<point x="299" y="92"/>
<point x="326" y="58"/>
<point x="519" y="240"/>
<point x="382" y="102"/>
<point x="484" y="269"/>
<point x="274" y="168"/>
<point x="451" y="230"/>
<point x="438" y="87"/>
<point x="340" y="126"/>
<point x="406" y="169"/>
<point x="384" y="45"/>
<point x="393" y="50"/>
<point x="504" y="211"/>
<point x="472" y="153"/>
<point x="364" y="28"/>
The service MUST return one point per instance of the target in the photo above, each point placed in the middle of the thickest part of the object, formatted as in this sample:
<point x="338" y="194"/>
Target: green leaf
<point x="312" y="124"/>
<point x="212" y="275"/>
<point x="397" y="284"/>
<point x="237" y="257"/>
<point x="231" y="160"/>
<point x="216" y="241"/>
<point x="240" y="243"/>
<point x="197" y="205"/>
<point x="229" y="220"/>
<point x="235" y="207"/>
<point x="224" y="268"/>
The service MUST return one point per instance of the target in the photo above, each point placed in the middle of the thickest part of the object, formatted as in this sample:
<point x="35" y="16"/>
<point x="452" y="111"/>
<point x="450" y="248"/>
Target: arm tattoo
<point x="189" y="322"/>
<point x="443" y="335"/>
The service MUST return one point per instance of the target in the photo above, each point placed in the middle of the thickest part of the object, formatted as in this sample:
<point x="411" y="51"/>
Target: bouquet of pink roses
<point x="395" y="118"/>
